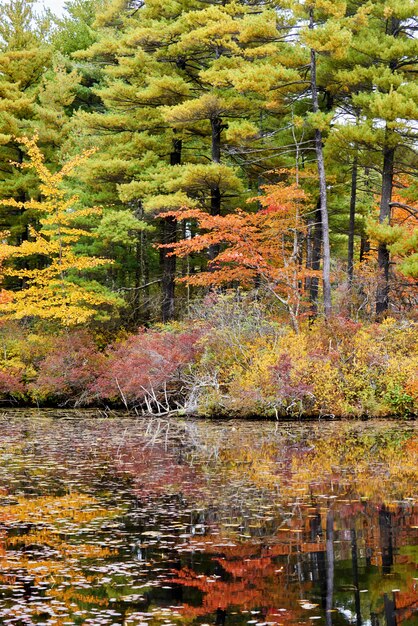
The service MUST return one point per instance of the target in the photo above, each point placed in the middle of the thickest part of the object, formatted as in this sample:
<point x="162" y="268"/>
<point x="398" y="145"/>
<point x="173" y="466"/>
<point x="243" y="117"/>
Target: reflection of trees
<point x="269" y="522"/>
<point x="354" y="561"/>
<point x="40" y="548"/>
<point x="157" y="469"/>
<point x="330" y="565"/>
<point x="324" y="508"/>
<point x="296" y="565"/>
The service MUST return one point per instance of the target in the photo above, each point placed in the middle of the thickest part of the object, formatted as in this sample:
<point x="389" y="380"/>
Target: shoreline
<point x="110" y="412"/>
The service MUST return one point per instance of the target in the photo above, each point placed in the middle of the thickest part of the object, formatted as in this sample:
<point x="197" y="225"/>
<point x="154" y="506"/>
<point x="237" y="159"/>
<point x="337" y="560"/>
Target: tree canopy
<point x="237" y="145"/>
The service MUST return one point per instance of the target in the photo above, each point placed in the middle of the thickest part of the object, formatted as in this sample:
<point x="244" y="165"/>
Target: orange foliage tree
<point x="262" y="248"/>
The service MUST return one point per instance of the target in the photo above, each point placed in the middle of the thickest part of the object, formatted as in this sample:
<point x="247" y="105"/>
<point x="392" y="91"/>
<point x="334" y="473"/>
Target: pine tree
<point x="378" y="75"/>
<point x="162" y="67"/>
<point x="23" y="59"/>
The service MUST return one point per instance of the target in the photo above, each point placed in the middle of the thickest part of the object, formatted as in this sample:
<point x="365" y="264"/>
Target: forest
<point x="210" y="207"/>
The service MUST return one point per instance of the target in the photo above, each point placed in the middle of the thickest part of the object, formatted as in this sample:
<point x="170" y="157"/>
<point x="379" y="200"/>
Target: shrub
<point x="69" y="370"/>
<point x="12" y="385"/>
<point x="147" y="368"/>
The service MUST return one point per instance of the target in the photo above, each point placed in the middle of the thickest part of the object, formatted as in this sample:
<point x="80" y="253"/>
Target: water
<point x="116" y="520"/>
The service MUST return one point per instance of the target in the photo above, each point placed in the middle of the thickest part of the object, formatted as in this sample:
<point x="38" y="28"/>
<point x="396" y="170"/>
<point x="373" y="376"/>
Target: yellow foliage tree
<point x="52" y="289"/>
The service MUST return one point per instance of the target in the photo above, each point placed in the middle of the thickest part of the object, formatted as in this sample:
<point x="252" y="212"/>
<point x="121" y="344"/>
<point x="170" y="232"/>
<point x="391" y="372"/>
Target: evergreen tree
<point x="24" y="56"/>
<point x="169" y="100"/>
<point x="379" y="75"/>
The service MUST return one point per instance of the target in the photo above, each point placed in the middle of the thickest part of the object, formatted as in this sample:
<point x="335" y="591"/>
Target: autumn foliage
<point x="255" y="248"/>
<point x="146" y="366"/>
<point x="69" y="369"/>
<point x="238" y="361"/>
<point x="52" y="288"/>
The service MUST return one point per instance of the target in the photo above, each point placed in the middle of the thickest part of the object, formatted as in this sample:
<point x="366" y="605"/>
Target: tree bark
<point x="326" y="254"/>
<point x="315" y="259"/>
<point x="144" y="261"/>
<point x="351" y="223"/>
<point x="382" y="293"/>
<point x="215" y="197"/>
<point x="383" y="259"/>
<point x="141" y="309"/>
<point x="167" y="261"/>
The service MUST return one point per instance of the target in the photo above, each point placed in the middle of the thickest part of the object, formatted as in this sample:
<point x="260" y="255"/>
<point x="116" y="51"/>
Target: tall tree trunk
<point x="315" y="259"/>
<point x="382" y="293"/>
<point x="364" y="247"/>
<point x="145" y="292"/>
<point x="326" y="262"/>
<point x="141" y="298"/>
<point x="137" y="284"/>
<point x="215" y="197"/>
<point x="168" y="262"/>
<point x="351" y="223"/>
<point x="365" y="241"/>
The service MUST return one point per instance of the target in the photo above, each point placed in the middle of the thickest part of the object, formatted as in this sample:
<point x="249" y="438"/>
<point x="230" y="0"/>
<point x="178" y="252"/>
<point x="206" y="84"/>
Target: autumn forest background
<point x="210" y="207"/>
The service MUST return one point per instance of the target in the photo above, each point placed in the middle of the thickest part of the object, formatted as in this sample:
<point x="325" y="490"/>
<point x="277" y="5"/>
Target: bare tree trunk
<point x="215" y="197"/>
<point x="351" y="223"/>
<point x="168" y="262"/>
<point x="326" y="254"/>
<point x="315" y="260"/>
<point x="382" y="293"/>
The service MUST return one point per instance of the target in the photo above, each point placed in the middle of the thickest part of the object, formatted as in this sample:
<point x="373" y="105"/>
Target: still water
<point x="117" y="520"/>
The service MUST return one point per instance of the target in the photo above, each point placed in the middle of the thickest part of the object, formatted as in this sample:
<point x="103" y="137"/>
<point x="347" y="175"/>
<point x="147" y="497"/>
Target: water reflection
<point x="128" y="521"/>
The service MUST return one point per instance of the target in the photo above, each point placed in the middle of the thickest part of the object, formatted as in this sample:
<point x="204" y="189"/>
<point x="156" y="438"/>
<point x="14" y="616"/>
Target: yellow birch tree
<point x="48" y="269"/>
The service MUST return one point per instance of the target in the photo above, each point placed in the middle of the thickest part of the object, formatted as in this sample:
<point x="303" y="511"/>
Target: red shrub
<point x="70" y="369"/>
<point x="147" y="363"/>
<point x="12" y="385"/>
<point x="291" y="391"/>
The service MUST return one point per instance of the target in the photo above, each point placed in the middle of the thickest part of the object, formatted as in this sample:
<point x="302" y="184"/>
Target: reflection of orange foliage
<point x="406" y="603"/>
<point x="2" y="544"/>
<point x="411" y="446"/>
<point x="69" y="595"/>
<point x="259" y="587"/>
<point x="50" y="512"/>
<point x="257" y="577"/>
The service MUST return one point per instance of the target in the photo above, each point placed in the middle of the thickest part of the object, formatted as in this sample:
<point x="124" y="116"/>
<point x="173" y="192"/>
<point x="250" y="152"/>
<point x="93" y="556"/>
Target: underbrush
<point x="232" y="358"/>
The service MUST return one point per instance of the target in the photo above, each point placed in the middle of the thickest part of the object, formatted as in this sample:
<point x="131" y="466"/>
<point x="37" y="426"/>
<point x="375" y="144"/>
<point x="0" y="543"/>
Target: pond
<point x="111" y="519"/>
